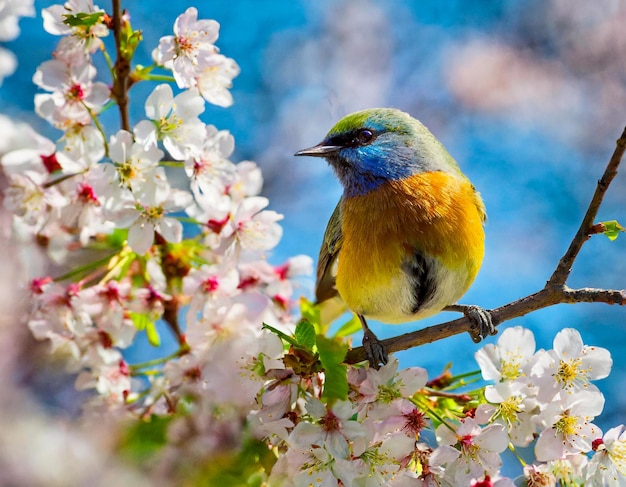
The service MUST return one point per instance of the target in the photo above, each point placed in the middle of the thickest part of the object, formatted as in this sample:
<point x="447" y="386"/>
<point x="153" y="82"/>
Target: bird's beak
<point x="320" y="150"/>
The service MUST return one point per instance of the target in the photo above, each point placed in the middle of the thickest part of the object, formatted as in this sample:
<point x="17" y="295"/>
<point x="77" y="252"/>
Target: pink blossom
<point x="190" y="50"/>
<point x="174" y="120"/>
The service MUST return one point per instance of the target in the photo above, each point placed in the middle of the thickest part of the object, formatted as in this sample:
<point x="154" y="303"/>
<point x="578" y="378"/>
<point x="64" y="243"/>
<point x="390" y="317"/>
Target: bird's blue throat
<point x="364" y="169"/>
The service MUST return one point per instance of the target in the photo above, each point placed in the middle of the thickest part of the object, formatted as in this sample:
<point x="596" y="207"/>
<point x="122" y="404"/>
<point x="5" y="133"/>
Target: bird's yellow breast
<point x="437" y="214"/>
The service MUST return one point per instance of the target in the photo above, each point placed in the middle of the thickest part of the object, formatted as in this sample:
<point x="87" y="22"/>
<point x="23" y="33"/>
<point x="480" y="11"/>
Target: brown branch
<point x="119" y="91"/>
<point x="542" y="299"/>
<point x="554" y="292"/>
<point x="564" y="267"/>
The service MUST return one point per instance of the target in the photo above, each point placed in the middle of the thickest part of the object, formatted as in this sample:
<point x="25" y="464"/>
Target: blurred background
<point x="529" y="97"/>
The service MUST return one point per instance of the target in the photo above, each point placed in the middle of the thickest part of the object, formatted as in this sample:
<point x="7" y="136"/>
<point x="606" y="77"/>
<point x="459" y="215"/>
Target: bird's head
<point x="371" y="147"/>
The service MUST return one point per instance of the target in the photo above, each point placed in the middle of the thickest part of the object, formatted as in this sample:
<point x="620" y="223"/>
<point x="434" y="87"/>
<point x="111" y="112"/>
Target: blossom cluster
<point x="547" y="397"/>
<point x="250" y="384"/>
<point x="542" y="398"/>
<point x="107" y="212"/>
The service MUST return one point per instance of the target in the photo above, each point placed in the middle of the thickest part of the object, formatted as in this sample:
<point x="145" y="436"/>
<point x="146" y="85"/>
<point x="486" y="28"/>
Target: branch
<point x="564" y="267"/>
<point x="119" y="91"/>
<point x="539" y="300"/>
<point x="554" y="292"/>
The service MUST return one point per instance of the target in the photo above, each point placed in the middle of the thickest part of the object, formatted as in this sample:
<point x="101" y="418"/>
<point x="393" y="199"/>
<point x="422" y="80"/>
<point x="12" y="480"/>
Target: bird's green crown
<point x="389" y="119"/>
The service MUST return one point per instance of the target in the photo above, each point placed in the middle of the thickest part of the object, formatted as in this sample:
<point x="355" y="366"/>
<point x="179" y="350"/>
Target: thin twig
<point x="564" y="267"/>
<point x="554" y="292"/>
<point x="119" y="91"/>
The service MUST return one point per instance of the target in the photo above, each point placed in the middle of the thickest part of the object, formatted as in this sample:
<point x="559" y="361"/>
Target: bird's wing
<point x="327" y="262"/>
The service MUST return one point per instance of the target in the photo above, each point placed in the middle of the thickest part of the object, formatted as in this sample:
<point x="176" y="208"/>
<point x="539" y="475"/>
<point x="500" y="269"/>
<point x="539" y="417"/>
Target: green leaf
<point x="349" y="327"/>
<point x="280" y="334"/>
<point x="153" y="334"/>
<point x="332" y="353"/>
<point x="130" y="40"/>
<point x="305" y="334"/>
<point x="144" y="439"/>
<point x="612" y="229"/>
<point x="311" y="313"/>
<point x="140" y="320"/>
<point x="143" y="322"/>
<point x="83" y="19"/>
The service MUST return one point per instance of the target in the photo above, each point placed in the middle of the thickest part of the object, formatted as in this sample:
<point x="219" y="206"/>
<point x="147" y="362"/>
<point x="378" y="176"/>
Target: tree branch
<point x="554" y="292"/>
<point x="119" y="91"/>
<point x="564" y="267"/>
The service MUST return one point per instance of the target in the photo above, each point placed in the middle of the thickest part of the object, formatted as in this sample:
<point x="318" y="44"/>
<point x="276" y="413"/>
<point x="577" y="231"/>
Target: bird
<point x="406" y="239"/>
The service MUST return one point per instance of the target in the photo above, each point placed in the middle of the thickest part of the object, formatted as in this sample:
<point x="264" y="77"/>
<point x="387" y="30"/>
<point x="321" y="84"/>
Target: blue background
<point x="529" y="97"/>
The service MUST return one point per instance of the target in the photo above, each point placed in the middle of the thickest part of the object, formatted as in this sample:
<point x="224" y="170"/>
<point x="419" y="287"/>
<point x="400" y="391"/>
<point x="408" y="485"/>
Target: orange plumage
<point x="436" y="213"/>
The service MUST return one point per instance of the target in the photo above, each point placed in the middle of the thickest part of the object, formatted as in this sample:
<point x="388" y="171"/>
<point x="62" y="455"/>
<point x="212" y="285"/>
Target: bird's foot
<point x="482" y="324"/>
<point x="374" y="349"/>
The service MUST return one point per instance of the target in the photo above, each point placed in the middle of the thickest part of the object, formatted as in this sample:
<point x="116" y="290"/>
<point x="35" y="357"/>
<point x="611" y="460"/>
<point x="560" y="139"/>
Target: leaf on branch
<point x="612" y="229"/>
<point x="143" y="323"/>
<point x="145" y="438"/>
<point x="311" y="313"/>
<point x="130" y="39"/>
<point x="83" y="19"/>
<point x="305" y="334"/>
<point x="153" y="334"/>
<point x="280" y="334"/>
<point x="332" y="353"/>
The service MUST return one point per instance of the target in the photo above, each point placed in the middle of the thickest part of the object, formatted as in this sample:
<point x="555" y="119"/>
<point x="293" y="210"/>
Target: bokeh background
<point x="529" y="97"/>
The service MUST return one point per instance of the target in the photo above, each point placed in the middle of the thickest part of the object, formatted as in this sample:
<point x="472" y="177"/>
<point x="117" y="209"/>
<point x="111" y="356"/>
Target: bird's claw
<point x="375" y="351"/>
<point x="482" y="324"/>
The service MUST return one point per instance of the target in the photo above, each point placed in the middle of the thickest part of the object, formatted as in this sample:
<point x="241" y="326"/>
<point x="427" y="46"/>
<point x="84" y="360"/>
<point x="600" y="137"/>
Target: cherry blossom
<point x="571" y="366"/>
<point x="513" y="405"/>
<point x="174" y="120"/>
<point x="215" y="81"/>
<point x="209" y="168"/>
<point x="147" y="215"/>
<point x="510" y="358"/>
<point x="608" y="464"/>
<point x="87" y="38"/>
<point x="134" y="163"/>
<point x="255" y="228"/>
<point x="470" y="451"/>
<point x="567" y="425"/>
<point x="74" y="92"/>
<point x="190" y="50"/>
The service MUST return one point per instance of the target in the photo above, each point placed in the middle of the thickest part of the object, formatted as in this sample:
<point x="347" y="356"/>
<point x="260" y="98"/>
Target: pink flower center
<point x="123" y="367"/>
<point x="75" y="92"/>
<point x="105" y="339"/>
<point x="111" y="293"/>
<point x="51" y="163"/>
<point x="217" y="225"/>
<point x="486" y="482"/>
<point x="86" y="193"/>
<point x="37" y="284"/>
<point x="330" y="422"/>
<point x="193" y="373"/>
<point x="466" y="442"/>
<point x="597" y="443"/>
<point x="415" y="422"/>
<point x="282" y="271"/>
<point x="185" y="46"/>
<point x="211" y="284"/>
<point x="281" y="301"/>
<point x="247" y="282"/>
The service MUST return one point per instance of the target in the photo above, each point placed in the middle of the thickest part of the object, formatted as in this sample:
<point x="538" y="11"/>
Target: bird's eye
<point x="365" y="136"/>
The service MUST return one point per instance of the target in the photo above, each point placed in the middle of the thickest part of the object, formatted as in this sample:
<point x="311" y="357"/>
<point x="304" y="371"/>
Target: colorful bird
<point x="406" y="239"/>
